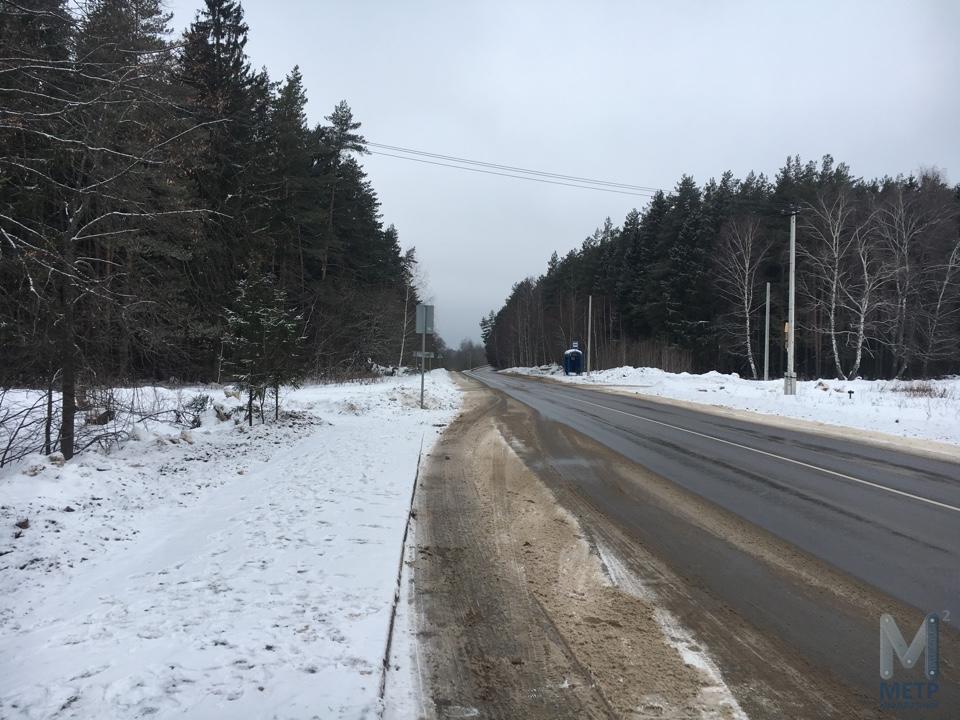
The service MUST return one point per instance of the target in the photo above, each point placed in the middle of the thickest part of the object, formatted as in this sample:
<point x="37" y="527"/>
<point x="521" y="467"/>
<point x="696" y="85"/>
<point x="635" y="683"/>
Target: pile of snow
<point x="927" y="409"/>
<point x="223" y="571"/>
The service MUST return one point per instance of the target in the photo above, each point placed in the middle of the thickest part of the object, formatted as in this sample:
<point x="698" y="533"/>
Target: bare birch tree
<point x="905" y="217"/>
<point x="826" y="233"/>
<point x="740" y="255"/>
<point x="862" y="293"/>
<point x="943" y="283"/>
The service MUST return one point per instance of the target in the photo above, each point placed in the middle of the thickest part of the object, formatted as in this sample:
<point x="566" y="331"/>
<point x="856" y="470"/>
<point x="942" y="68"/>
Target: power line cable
<point x="512" y="168"/>
<point x="643" y="194"/>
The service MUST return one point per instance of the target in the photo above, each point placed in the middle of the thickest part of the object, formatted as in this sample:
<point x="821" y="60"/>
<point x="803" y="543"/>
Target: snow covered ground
<point x="928" y="409"/>
<point x="224" y="572"/>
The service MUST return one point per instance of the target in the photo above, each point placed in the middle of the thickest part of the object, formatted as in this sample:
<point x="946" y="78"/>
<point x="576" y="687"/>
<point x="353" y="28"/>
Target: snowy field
<point x="927" y="409"/>
<point x="222" y="572"/>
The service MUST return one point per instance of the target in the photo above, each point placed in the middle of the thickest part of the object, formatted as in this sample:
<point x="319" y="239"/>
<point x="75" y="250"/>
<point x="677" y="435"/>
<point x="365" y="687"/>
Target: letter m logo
<point x="926" y="639"/>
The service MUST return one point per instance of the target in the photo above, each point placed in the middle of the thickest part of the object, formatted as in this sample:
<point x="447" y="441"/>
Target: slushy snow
<point x="226" y="572"/>
<point x="927" y="409"/>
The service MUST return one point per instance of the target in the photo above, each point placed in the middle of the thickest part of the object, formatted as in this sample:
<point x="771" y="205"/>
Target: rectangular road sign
<point x="421" y="354"/>
<point x="425" y="319"/>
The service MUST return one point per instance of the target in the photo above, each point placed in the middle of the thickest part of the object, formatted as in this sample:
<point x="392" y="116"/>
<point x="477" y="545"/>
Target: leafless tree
<point x="862" y="291"/>
<point x="826" y="238"/>
<point x="740" y="255"/>
<point x="943" y="282"/>
<point x="905" y="217"/>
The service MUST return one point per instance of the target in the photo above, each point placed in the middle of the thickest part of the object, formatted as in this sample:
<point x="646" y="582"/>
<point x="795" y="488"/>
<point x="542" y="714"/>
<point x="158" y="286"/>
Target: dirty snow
<point x="927" y="409"/>
<point x="220" y="572"/>
<point x="716" y="696"/>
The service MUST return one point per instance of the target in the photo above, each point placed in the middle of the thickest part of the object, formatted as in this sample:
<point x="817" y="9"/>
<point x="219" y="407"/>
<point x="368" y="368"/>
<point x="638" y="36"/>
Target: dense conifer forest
<point x="167" y="211"/>
<point x="681" y="285"/>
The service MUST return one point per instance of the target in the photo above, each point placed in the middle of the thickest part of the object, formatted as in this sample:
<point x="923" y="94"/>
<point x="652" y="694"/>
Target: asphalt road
<point x="888" y="518"/>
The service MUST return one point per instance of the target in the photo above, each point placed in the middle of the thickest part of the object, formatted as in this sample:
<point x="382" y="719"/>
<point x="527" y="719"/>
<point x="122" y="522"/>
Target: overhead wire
<point x="498" y="166"/>
<point x="541" y="176"/>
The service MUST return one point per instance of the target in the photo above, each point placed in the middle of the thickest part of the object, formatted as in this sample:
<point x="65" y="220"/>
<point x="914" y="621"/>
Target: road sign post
<point x="424" y="327"/>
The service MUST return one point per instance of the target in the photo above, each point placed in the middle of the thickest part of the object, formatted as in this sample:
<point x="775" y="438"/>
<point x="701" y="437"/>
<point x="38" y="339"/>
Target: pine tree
<point x="231" y="102"/>
<point x="297" y="217"/>
<point x="126" y="42"/>
<point x="336" y="142"/>
<point x="263" y="340"/>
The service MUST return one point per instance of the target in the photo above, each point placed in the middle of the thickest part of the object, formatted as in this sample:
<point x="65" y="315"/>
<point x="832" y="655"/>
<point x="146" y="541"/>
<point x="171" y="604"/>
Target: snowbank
<point x="928" y="409"/>
<point x="221" y="572"/>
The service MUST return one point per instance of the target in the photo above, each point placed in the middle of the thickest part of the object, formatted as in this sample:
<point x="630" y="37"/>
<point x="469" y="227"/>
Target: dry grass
<point x="921" y="389"/>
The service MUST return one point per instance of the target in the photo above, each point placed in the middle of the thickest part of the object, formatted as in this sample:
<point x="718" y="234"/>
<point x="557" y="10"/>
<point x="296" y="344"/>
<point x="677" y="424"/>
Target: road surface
<point x="777" y="549"/>
<point x="889" y="518"/>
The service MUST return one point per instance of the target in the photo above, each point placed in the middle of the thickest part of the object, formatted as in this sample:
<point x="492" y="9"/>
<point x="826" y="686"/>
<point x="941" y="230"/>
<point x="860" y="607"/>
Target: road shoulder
<point x="517" y="614"/>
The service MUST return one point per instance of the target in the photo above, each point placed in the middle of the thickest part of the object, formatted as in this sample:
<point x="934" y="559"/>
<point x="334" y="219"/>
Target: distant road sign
<point x="425" y="319"/>
<point x="422" y="354"/>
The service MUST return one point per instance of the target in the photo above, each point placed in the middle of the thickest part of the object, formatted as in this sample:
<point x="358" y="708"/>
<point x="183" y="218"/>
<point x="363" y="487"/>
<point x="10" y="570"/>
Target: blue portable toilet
<point x="573" y="361"/>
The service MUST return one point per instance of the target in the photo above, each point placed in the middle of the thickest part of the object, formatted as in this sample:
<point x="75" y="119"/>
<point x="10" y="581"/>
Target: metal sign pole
<point x="423" y="361"/>
<point x="424" y="327"/>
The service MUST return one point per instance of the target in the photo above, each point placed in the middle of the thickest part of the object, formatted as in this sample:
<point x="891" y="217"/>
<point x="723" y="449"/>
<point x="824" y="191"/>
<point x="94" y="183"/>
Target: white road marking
<point x="878" y="486"/>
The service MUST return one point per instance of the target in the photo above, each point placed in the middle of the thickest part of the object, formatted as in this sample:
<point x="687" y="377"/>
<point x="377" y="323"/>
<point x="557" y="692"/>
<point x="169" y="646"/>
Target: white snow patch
<point x="229" y="572"/>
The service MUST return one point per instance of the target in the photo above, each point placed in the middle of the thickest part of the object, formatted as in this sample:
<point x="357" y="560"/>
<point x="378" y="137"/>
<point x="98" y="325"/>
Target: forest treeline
<point x="151" y="185"/>
<point x="681" y="285"/>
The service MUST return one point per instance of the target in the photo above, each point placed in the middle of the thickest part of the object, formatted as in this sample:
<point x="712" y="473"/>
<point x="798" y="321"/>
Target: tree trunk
<point x="48" y="422"/>
<point x="749" y="342"/>
<point x="832" y="318"/>
<point x="863" y="307"/>
<point x="329" y="238"/>
<point x="68" y="378"/>
<point x="68" y="390"/>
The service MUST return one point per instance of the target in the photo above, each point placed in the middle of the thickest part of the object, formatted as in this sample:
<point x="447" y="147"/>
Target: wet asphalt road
<point x="888" y="518"/>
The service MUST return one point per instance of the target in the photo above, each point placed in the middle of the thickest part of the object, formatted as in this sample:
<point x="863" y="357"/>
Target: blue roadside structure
<point x="573" y="362"/>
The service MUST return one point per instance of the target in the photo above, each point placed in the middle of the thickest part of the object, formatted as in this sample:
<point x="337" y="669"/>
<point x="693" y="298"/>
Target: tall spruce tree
<point x="336" y="142"/>
<point x="226" y="167"/>
<point x="297" y="215"/>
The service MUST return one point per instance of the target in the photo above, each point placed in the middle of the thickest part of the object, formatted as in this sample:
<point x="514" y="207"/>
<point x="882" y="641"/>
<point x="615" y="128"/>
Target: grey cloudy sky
<point x="637" y="92"/>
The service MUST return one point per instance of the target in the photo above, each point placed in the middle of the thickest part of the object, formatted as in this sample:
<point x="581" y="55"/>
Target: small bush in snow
<point x="198" y="404"/>
<point x="196" y="407"/>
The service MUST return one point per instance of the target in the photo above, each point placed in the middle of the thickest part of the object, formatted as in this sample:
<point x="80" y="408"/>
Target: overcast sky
<point x="635" y="92"/>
